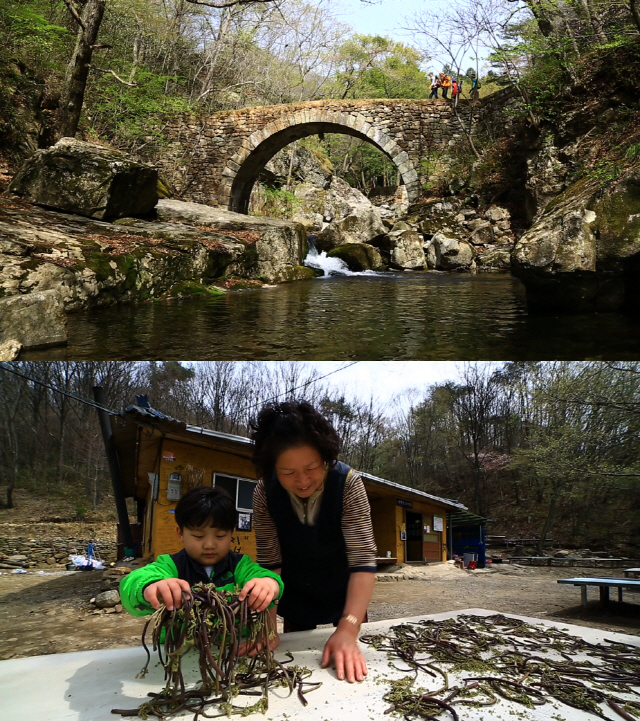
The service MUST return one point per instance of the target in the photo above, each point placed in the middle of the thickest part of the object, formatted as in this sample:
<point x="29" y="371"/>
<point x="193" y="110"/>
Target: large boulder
<point x="359" y="257"/>
<point x="451" y="253"/>
<point x="87" y="179"/>
<point x="35" y="320"/>
<point x="583" y="253"/>
<point x="277" y="247"/>
<point x="406" y="250"/>
<point x="299" y="164"/>
<point x="359" y="227"/>
<point x="494" y="259"/>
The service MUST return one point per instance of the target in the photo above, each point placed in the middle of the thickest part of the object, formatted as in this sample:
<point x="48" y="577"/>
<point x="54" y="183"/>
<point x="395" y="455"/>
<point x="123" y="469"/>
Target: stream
<point x="343" y="315"/>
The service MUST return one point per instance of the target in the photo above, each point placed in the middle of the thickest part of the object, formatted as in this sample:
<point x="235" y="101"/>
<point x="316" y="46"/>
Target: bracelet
<point x="350" y="618"/>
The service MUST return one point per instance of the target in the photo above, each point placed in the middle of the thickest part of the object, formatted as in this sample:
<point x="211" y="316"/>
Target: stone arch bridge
<point x="218" y="158"/>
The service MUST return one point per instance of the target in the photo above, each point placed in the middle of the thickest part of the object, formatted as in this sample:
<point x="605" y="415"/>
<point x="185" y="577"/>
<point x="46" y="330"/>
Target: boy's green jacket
<point x="233" y="571"/>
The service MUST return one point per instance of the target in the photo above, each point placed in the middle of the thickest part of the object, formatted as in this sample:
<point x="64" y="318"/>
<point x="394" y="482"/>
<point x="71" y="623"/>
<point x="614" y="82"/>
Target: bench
<point x="386" y="560"/>
<point x="631" y="572"/>
<point x="604" y="584"/>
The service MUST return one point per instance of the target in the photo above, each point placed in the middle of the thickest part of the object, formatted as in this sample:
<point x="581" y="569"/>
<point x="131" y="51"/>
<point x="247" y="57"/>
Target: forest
<point x="116" y="72"/>
<point x="549" y="448"/>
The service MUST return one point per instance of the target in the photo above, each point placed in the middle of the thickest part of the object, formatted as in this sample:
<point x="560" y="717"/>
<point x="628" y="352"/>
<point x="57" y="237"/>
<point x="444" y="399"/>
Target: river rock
<point x="483" y="234"/>
<point x="35" y="320"/>
<point x="300" y="164"/>
<point x="583" y="253"/>
<point x="107" y="599"/>
<point x="406" y="250"/>
<point x="278" y="246"/>
<point x="10" y="350"/>
<point x="359" y="257"/>
<point x="496" y="214"/>
<point x="87" y="179"/>
<point x="451" y="253"/>
<point x="361" y="227"/>
<point x="494" y="259"/>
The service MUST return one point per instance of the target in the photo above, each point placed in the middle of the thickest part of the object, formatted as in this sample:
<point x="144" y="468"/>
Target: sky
<point x="385" y="17"/>
<point x="386" y="380"/>
<point x="388" y="17"/>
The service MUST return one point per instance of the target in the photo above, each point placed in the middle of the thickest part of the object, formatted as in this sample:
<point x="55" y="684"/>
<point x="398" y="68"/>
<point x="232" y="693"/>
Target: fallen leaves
<point x="248" y="236"/>
<point x="59" y="260"/>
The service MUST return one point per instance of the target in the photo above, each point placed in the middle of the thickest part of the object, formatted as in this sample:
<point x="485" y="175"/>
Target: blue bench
<point x="604" y="584"/>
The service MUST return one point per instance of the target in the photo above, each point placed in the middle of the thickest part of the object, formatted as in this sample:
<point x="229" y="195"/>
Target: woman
<point x="313" y="526"/>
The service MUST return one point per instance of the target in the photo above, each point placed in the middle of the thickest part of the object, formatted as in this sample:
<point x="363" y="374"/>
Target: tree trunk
<point x="635" y="11"/>
<point x="78" y="69"/>
<point x="547" y="521"/>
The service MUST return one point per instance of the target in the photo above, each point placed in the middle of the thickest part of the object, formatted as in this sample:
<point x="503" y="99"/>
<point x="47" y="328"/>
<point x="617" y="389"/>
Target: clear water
<point x="403" y="316"/>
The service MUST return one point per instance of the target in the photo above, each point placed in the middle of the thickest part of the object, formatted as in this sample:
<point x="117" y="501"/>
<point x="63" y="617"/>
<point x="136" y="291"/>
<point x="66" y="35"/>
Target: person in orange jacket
<point x="445" y="82"/>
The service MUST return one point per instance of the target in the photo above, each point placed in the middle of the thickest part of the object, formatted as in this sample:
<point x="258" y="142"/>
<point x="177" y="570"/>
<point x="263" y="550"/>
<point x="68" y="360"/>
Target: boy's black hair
<point x="280" y="426"/>
<point x="205" y="506"/>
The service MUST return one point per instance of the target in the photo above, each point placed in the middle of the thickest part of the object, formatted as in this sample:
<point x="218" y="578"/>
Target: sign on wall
<point x="403" y="503"/>
<point x="438" y="523"/>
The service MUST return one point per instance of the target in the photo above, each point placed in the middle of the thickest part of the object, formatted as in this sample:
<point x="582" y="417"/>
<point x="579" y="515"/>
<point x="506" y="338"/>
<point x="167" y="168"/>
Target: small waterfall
<point x="329" y="266"/>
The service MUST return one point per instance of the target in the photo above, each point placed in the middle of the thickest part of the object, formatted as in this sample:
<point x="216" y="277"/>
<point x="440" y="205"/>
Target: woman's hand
<point x="348" y="660"/>
<point x="251" y="649"/>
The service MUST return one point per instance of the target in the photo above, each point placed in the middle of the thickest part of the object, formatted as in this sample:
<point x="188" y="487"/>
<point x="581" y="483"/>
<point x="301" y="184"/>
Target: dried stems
<point x="215" y="624"/>
<point x="511" y="659"/>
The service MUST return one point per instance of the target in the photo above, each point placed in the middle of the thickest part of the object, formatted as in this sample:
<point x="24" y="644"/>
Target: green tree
<point x="371" y="66"/>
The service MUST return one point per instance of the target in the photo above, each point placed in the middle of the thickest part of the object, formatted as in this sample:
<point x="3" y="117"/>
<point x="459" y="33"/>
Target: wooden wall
<point x="196" y="465"/>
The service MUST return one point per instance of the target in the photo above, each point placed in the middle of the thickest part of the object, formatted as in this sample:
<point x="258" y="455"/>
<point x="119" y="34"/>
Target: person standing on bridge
<point x="434" y="86"/>
<point x="313" y="522"/>
<point x="445" y="82"/>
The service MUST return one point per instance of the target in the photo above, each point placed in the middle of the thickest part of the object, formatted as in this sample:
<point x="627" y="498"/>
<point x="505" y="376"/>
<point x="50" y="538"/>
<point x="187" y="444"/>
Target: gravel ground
<point x="41" y="614"/>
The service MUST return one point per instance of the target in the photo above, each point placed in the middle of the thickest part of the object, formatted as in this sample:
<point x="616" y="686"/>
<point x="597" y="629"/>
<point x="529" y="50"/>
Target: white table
<point x="86" y="685"/>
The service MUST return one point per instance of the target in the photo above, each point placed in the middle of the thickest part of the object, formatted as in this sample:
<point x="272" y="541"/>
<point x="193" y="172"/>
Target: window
<point x="240" y="489"/>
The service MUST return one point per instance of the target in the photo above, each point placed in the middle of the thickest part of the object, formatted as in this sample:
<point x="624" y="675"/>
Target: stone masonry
<point x="218" y="158"/>
<point x="49" y="552"/>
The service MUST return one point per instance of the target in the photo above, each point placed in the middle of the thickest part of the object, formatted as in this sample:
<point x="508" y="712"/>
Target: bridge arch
<point x="244" y="167"/>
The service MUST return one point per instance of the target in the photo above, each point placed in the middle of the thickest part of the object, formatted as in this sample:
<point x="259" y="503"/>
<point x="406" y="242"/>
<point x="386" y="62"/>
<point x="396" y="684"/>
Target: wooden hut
<point x="160" y="458"/>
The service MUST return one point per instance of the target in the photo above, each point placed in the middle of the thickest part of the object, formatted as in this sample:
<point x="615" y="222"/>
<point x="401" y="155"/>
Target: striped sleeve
<point x="267" y="541"/>
<point x="356" y="526"/>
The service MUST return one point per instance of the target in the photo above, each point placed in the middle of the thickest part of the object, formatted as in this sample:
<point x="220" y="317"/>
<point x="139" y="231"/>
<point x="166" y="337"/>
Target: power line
<point x="297" y="388"/>
<point x="111" y="411"/>
<point x="69" y="394"/>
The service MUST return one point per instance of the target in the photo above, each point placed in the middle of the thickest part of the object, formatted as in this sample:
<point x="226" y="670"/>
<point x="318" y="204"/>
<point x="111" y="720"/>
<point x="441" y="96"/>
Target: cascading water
<point x="329" y="266"/>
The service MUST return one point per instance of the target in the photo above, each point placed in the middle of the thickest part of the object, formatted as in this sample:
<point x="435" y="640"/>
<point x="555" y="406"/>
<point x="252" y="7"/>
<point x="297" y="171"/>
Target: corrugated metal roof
<point x="152" y="414"/>
<point x="219" y="434"/>
<point x="445" y="501"/>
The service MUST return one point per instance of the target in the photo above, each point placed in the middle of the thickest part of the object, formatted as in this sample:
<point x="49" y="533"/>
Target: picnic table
<point x="604" y="584"/>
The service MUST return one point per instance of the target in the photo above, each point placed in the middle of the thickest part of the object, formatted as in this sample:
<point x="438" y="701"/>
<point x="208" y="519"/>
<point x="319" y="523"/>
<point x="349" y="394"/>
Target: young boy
<point x="206" y="518"/>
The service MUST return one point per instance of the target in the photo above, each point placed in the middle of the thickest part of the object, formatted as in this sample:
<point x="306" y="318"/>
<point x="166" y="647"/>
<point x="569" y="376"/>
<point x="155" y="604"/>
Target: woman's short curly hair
<point x="280" y="426"/>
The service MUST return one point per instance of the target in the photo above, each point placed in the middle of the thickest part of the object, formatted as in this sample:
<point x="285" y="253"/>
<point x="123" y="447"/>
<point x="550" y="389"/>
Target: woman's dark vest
<point x="315" y="570"/>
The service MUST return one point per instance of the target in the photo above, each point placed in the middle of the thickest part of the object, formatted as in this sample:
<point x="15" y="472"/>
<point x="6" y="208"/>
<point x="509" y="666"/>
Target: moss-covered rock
<point x="359" y="257"/>
<point x="582" y="253"/>
<point x="93" y="263"/>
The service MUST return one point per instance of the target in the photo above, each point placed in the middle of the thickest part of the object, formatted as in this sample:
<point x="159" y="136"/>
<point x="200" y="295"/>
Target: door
<point x="414" y="536"/>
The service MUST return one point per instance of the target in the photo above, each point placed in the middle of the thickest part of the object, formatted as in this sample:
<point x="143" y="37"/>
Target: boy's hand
<point x="261" y="591"/>
<point x="168" y="591"/>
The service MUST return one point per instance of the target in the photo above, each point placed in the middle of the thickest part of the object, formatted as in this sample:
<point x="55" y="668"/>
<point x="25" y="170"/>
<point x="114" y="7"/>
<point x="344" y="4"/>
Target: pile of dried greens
<point x="215" y="625"/>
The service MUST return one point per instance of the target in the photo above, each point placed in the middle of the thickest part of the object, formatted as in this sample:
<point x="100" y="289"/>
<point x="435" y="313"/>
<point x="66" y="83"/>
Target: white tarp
<point x="85" y="686"/>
